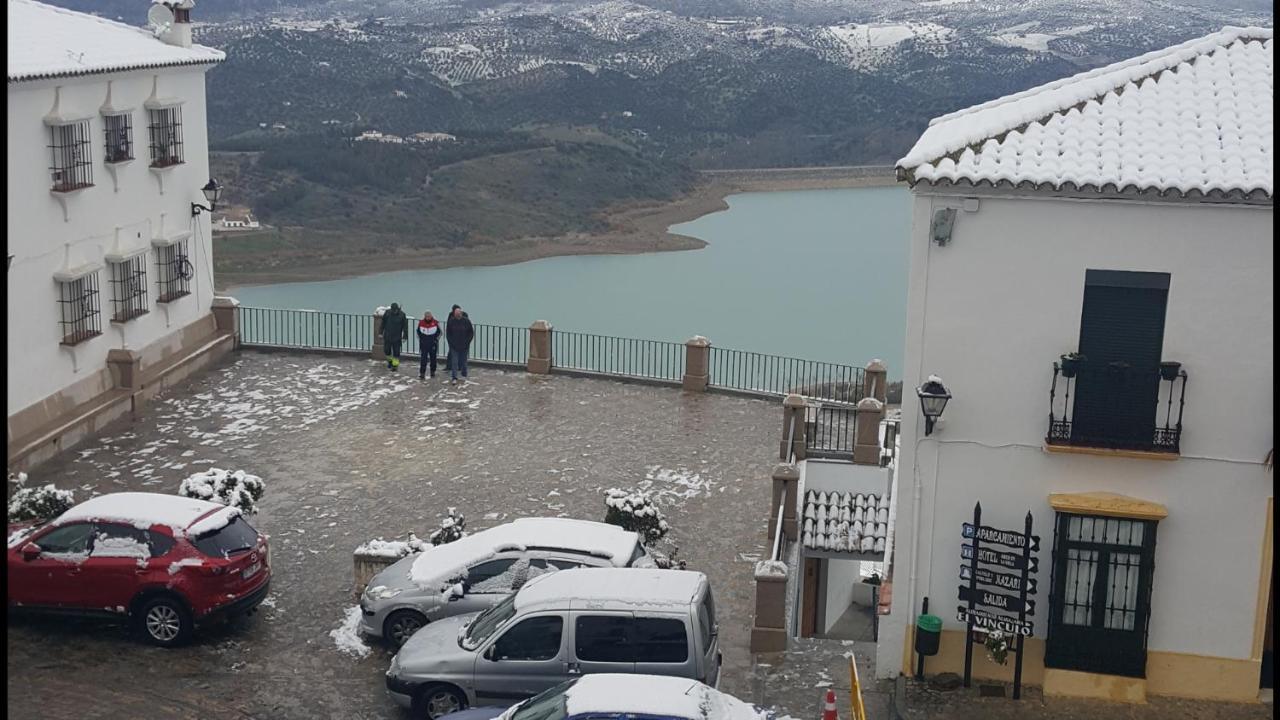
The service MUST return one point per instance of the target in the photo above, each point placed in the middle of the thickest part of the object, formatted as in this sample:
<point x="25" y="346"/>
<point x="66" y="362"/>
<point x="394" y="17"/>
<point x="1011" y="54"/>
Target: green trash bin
<point x="928" y="634"/>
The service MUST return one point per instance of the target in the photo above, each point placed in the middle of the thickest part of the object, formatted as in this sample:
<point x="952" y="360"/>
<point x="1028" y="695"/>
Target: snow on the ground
<point x="672" y="486"/>
<point x="347" y="635"/>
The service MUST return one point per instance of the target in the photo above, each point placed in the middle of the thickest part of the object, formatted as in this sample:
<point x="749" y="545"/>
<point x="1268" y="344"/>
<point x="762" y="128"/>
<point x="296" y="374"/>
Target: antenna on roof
<point x="159" y="19"/>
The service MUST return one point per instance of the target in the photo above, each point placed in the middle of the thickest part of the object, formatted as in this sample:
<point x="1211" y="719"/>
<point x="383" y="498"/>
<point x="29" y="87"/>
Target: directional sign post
<point x="1003" y="592"/>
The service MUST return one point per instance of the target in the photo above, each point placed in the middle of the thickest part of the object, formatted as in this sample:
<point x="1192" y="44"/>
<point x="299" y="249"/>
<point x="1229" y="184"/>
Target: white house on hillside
<point x="110" y="274"/>
<point x="1124" y="215"/>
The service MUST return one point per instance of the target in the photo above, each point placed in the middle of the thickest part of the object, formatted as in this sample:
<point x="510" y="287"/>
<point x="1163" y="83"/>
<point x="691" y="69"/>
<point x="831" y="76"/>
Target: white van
<point x="556" y="627"/>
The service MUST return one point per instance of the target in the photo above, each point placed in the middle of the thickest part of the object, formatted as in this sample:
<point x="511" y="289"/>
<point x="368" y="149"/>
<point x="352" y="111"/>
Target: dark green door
<point x="1122" y="336"/>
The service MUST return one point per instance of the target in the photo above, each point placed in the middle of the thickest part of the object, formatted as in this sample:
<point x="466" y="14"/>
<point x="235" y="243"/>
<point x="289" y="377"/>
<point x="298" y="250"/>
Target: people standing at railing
<point x="428" y="344"/>
<point x="459" y="332"/>
<point x="395" y="330"/>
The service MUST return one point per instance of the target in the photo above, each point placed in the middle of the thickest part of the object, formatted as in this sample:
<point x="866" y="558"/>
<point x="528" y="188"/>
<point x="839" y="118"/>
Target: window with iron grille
<point x="129" y="288"/>
<point x="72" y="167"/>
<point x="1101" y="597"/>
<point x="174" y="270"/>
<point x="119" y="137"/>
<point x="78" y="303"/>
<point x="165" y="133"/>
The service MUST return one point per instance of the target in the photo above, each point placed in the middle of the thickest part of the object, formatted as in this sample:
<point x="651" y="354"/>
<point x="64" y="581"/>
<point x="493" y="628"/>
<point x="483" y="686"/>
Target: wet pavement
<point x="351" y="452"/>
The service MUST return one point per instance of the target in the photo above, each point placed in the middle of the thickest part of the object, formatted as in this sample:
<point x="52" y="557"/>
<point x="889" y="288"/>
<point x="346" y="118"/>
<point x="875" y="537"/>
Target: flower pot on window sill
<point x="1070" y="364"/>
<point x="1169" y="370"/>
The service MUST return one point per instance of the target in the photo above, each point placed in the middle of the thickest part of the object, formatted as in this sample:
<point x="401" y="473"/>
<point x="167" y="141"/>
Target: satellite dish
<point x="160" y="18"/>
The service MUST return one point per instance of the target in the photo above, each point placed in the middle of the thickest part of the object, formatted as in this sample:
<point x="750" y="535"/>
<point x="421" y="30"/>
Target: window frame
<point x="71" y="156"/>
<point x="118" y="144"/>
<point x="128" y="280"/>
<point x="80" y="309"/>
<point x="497" y="657"/>
<point x="88" y="545"/>
<point x="174" y="271"/>
<point x="164" y="136"/>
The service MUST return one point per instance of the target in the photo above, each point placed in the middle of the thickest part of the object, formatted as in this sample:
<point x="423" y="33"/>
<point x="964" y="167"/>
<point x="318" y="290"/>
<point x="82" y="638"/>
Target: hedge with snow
<point x="39" y="503"/>
<point x="237" y="489"/>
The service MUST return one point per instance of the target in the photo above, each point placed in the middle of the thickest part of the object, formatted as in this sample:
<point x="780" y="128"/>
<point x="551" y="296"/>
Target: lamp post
<point x="933" y="400"/>
<point x="212" y="193"/>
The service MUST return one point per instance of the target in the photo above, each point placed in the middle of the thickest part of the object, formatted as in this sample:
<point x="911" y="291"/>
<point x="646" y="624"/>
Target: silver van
<point x="558" y="626"/>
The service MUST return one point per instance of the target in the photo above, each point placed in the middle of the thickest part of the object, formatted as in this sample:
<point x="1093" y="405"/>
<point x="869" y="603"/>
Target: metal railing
<point x="492" y="343"/>
<point x="1116" y="406"/>
<point x="272" y="327"/>
<point x="889" y="441"/>
<point x="829" y="430"/>
<point x="618" y="356"/>
<point x="778" y="375"/>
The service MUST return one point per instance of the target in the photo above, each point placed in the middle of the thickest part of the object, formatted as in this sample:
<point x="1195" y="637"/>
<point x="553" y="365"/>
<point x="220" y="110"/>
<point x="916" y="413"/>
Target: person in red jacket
<point x="428" y="344"/>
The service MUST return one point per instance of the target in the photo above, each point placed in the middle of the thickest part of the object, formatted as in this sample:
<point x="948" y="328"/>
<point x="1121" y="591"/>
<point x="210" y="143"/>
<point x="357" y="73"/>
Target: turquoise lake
<point x="815" y="274"/>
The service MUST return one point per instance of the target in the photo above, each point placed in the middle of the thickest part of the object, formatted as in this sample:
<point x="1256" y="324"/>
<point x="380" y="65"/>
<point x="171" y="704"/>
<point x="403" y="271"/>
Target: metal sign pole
<point x="1022" y="614"/>
<point x="973" y="592"/>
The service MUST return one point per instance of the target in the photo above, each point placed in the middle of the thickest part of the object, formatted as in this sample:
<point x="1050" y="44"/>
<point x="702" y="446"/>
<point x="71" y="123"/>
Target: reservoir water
<point x="815" y="274"/>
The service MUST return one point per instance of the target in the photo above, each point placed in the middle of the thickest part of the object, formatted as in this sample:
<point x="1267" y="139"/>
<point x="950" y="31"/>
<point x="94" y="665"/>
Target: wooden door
<point x="809" y="599"/>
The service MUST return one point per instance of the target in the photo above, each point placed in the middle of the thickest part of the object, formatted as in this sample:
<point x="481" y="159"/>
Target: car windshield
<point x="550" y="705"/>
<point x="484" y="624"/>
<point x="236" y="536"/>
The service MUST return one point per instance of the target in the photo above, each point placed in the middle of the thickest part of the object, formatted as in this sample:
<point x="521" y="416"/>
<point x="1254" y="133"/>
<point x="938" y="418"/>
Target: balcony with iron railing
<point x="1116" y="406"/>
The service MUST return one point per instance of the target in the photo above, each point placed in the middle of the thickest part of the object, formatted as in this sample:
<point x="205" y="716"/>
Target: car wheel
<point x="436" y="701"/>
<point x="401" y="625"/>
<point x="165" y="621"/>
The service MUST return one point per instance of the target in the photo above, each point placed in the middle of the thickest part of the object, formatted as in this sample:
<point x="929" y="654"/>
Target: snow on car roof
<point x="601" y="586"/>
<point x="652" y="695"/>
<point x="143" y="510"/>
<point x="443" y="562"/>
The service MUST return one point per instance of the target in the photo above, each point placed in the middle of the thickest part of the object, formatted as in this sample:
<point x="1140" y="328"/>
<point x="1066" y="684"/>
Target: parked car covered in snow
<point x="616" y="695"/>
<point x="558" y="626"/>
<point x="476" y="571"/>
<point x="162" y="561"/>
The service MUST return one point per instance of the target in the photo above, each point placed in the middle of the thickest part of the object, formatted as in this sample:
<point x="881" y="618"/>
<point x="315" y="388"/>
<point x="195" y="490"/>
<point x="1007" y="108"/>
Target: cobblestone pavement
<point x="350" y="452"/>
<point x="924" y="702"/>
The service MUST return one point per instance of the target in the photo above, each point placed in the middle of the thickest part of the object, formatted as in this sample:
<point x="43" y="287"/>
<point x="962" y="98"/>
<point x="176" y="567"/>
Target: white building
<point x="1125" y="214"/>
<point x="237" y="222"/>
<point x="110" y="274"/>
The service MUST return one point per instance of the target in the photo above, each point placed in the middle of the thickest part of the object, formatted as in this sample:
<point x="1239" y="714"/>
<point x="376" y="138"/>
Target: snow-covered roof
<point x="1192" y="119"/>
<point x="657" y="695"/>
<point x="443" y="562"/>
<point x="845" y="522"/>
<point x="47" y="41"/>
<point x="596" y="587"/>
<point x="144" y="510"/>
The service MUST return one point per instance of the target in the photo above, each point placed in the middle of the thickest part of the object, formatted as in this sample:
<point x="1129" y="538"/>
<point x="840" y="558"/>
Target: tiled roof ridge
<point x="1151" y="65"/>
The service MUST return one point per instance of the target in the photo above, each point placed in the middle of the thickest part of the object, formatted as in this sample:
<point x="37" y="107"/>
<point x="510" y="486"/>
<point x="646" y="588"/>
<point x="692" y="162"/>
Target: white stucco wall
<point x="38" y="233"/>
<point x="992" y="310"/>
<point x="843" y="576"/>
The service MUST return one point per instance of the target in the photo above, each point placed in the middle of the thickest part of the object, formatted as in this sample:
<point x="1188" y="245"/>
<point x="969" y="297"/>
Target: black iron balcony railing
<point x="1117" y="406"/>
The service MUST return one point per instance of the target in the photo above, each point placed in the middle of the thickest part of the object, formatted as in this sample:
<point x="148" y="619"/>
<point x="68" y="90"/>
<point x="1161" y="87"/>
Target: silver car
<point x="475" y="572"/>
<point x="557" y="627"/>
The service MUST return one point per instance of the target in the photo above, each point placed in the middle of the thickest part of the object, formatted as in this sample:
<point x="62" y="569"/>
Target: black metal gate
<point x="1101" y="594"/>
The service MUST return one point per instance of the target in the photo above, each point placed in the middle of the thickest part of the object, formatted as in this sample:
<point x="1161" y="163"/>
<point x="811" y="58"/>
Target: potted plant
<point x="997" y="647"/>
<point x="1169" y="370"/>
<point x="1071" y="364"/>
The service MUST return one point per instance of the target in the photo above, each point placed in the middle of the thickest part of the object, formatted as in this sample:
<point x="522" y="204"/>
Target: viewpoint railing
<point x="694" y="364"/>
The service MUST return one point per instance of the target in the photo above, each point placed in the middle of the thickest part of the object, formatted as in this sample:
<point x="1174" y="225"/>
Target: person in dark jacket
<point x="459" y="332"/>
<point x="428" y="344"/>
<point x="395" y="330"/>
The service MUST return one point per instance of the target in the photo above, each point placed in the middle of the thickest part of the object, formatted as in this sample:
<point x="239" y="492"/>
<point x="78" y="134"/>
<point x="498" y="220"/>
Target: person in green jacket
<point x="395" y="330"/>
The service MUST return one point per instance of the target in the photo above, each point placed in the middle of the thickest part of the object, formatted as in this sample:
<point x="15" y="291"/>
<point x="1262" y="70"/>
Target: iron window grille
<point x="1113" y="422"/>
<point x="72" y="166"/>
<point x="119" y="137"/>
<point x="129" y="288"/>
<point x="165" y="133"/>
<point x="1100" y="603"/>
<point x="174" y="270"/>
<point x="78" y="302"/>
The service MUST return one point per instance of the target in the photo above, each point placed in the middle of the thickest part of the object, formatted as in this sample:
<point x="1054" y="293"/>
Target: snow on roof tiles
<point x="142" y="510"/>
<point x="47" y="41"/>
<point x="593" y="586"/>
<point x="1195" y="117"/>
<point x="845" y="522"/>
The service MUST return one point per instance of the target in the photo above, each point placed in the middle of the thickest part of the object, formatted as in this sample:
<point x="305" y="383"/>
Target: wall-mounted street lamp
<point x="933" y="400"/>
<point x="212" y="192"/>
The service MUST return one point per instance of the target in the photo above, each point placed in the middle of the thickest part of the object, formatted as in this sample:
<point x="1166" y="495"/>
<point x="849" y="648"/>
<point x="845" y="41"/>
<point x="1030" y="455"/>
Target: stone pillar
<point x="378" y="352"/>
<point x="866" y="434"/>
<point x="786" y="485"/>
<point x="226" y="313"/>
<point x="793" y="409"/>
<point x="875" y="380"/>
<point x="126" y="367"/>
<point x="697" y="363"/>
<point x="768" y="631"/>
<point x="539" y="360"/>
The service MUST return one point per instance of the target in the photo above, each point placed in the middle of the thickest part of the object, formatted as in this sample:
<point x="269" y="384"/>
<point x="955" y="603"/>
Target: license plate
<point x="251" y="570"/>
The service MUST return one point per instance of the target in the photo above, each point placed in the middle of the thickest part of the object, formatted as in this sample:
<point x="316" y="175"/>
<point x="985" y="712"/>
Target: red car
<point x="164" y="562"/>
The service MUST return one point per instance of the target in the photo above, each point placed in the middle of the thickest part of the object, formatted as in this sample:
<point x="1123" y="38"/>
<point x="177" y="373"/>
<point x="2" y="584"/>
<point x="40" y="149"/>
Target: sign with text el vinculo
<point x="1008" y="581"/>
<point x="989" y="608"/>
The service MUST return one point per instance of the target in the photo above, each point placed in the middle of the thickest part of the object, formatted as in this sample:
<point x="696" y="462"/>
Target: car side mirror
<point x="489" y="651"/>
<point x="30" y="552"/>
<point x="453" y="597"/>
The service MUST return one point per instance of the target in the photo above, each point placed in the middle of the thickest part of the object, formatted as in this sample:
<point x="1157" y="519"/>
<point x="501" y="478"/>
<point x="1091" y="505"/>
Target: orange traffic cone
<point x="829" y="710"/>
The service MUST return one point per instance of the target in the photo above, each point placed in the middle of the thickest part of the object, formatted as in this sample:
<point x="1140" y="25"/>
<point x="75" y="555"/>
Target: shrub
<point x="238" y="489"/>
<point x="39" y="503"/>
<point x="635" y="510"/>
<point x="453" y="527"/>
